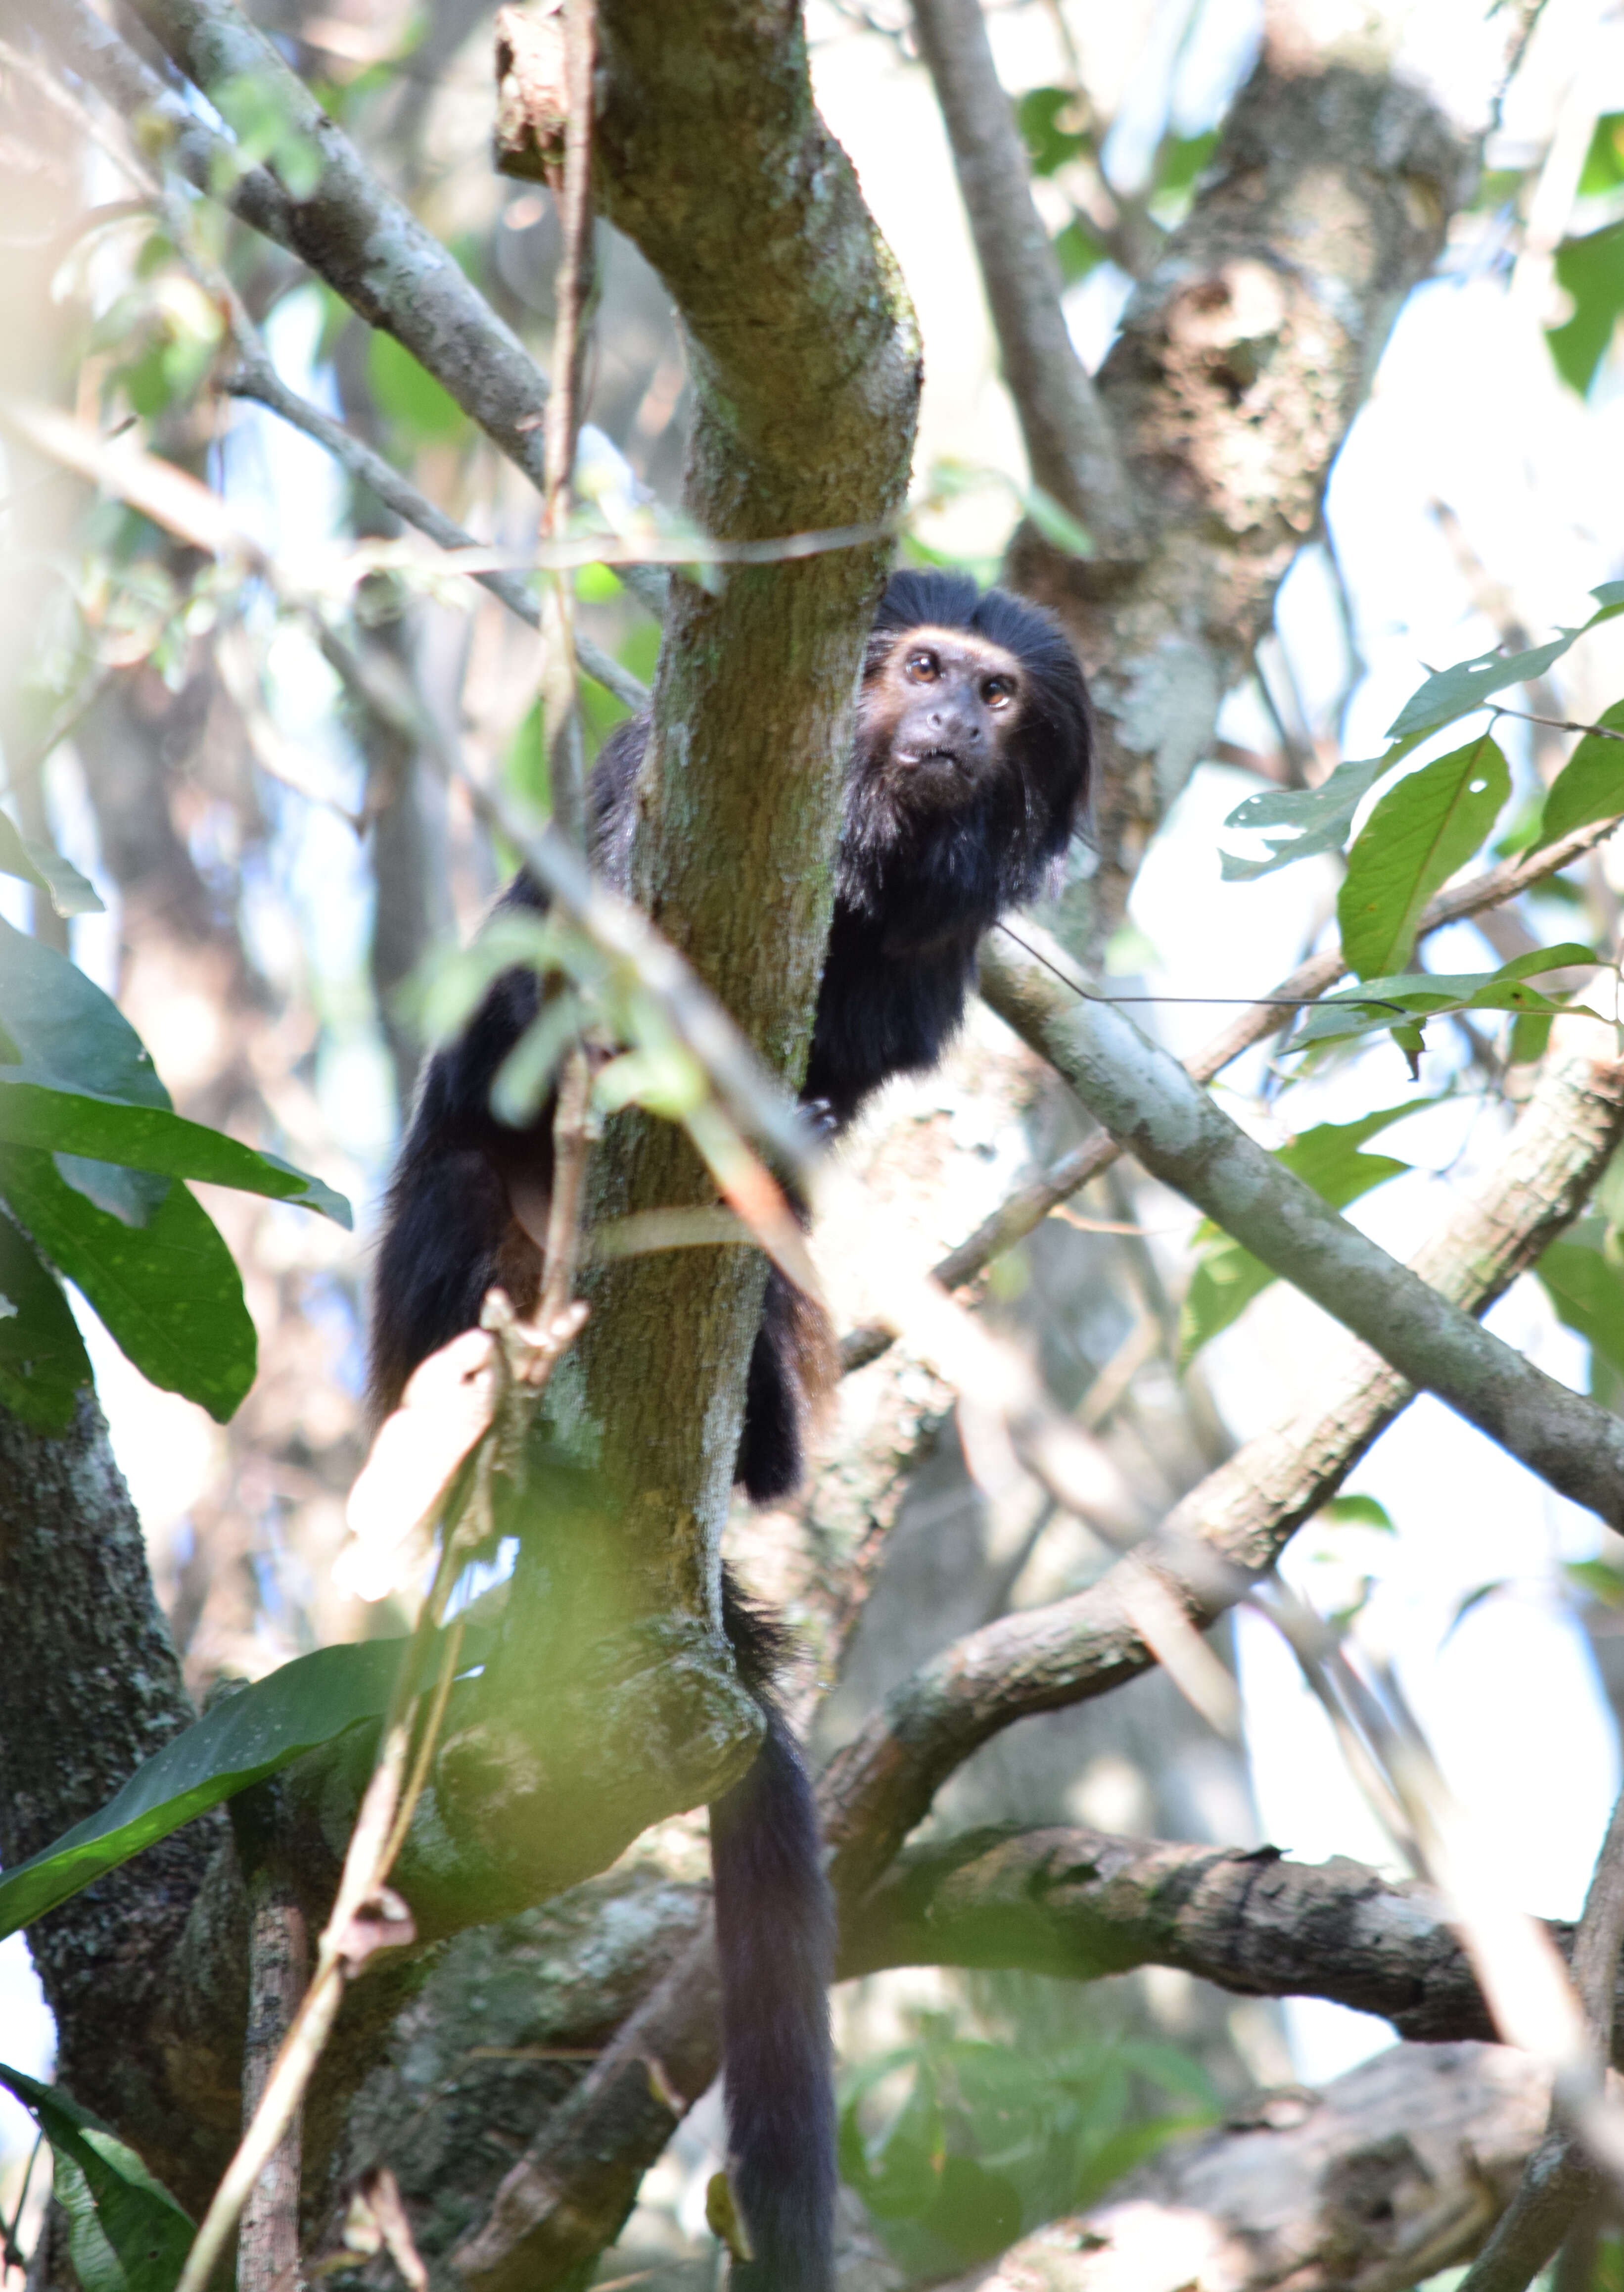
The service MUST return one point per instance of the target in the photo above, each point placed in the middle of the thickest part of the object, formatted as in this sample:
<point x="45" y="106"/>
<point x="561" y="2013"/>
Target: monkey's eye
<point x="921" y="667"/>
<point x="998" y="691"/>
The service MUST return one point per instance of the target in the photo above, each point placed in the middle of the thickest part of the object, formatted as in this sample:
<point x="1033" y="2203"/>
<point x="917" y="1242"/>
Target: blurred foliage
<point x="421" y="411"/>
<point x="958" y="2145"/>
<point x="1053" y="125"/>
<point x="1327" y="1158"/>
<point x="1590" y="266"/>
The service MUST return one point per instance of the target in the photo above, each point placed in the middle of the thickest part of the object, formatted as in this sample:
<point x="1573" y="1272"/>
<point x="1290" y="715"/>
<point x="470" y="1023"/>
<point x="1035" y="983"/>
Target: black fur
<point x="928" y="859"/>
<point x="775" y="1937"/>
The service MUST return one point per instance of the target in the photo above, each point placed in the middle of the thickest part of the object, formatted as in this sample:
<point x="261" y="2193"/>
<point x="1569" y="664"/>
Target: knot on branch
<point x="555" y="1779"/>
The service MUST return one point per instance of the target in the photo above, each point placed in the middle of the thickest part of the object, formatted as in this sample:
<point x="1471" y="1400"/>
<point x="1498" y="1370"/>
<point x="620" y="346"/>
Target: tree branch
<point x="1030" y="1202"/>
<point x="364" y="243"/>
<point x="91" y="1687"/>
<point x="1242" y="360"/>
<point x="710" y="154"/>
<point x="1083" y="1904"/>
<point x="1394" y="2172"/>
<point x="1071" y="447"/>
<point x="882" y="1782"/>
<point x="1147" y="1102"/>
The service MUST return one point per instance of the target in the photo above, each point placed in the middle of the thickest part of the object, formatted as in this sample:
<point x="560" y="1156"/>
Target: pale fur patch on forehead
<point x="976" y="651"/>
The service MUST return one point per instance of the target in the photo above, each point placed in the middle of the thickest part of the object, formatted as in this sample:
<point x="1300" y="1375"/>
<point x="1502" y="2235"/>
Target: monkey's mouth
<point x="919" y="760"/>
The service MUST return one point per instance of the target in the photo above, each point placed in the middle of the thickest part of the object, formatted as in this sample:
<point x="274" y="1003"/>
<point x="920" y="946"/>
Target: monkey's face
<point x="938" y="713"/>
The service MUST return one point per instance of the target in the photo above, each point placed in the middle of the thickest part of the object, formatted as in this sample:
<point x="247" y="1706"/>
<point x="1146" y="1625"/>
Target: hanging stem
<point x="575" y="286"/>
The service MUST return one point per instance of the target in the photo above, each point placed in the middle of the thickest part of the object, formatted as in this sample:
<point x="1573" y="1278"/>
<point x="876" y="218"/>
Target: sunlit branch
<point x="1181" y="1136"/>
<point x="572" y="291"/>
<point x="255" y="377"/>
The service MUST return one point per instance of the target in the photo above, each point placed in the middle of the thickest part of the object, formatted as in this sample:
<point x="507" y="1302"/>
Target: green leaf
<point x="1604" y="167"/>
<point x="1319" y="819"/>
<point x="1598" y="1580"/>
<point x="1473" y="1599"/>
<point x="1591" y="272"/>
<point x="168" y="1290"/>
<point x="1077" y="251"/>
<point x="1327" y="1158"/>
<point x="34" y="862"/>
<point x="975" y="2212"/>
<point x="125" y="2232"/>
<point x="1427" y="991"/>
<point x="1422" y="995"/>
<point x="1041" y="117"/>
<point x="69" y="1034"/>
<point x="1451" y="692"/>
<point x="1130" y="2145"/>
<point x="130" y="1195"/>
<point x="1590" y="785"/>
<point x="243" y="1739"/>
<point x="408" y="394"/>
<point x="1357" y="1512"/>
<point x="1586" y="1292"/>
<point x="44" y="1366"/>
<point x="82" y="1082"/>
<point x="1181" y="160"/>
<point x="524" y="768"/>
<point x="1420" y="832"/>
<point x="150" y="1138"/>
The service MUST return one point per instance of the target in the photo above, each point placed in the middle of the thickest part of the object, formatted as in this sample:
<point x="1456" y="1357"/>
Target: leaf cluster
<point x="94" y="1162"/>
<point x="959" y="2145"/>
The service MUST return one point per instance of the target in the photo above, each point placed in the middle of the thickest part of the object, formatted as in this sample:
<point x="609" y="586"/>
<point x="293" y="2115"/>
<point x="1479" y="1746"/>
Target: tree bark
<point x="710" y="154"/>
<point x="1241" y="361"/>
<point x="1396" y="2170"/>
<point x="89" y="1687"/>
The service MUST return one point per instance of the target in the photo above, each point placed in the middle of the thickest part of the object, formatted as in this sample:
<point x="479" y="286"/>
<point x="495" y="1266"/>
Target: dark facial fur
<point x="969" y="774"/>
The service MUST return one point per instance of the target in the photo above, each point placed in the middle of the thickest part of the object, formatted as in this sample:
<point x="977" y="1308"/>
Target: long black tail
<point x="775" y="1934"/>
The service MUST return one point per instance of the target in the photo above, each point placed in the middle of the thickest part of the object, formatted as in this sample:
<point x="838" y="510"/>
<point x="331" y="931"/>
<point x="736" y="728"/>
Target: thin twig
<point x="1558" y="723"/>
<point x="9" y="2256"/>
<point x="254" y="378"/>
<point x="572" y="290"/>
<point x="1032" y="1201"/>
